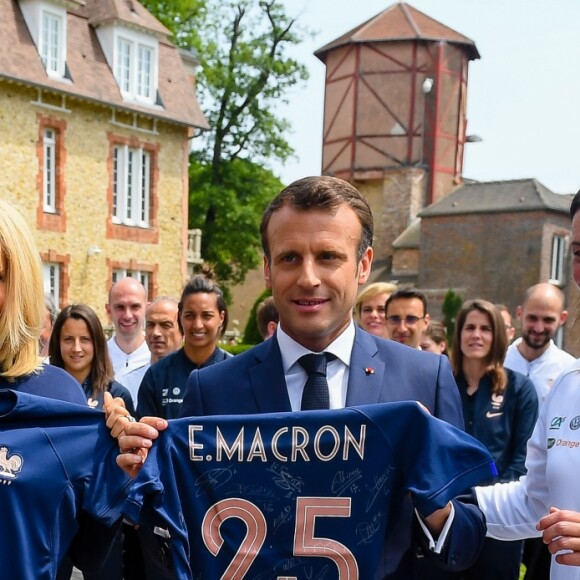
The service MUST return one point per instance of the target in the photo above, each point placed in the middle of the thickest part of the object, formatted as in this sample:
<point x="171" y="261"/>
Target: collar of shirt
<point x="337" y="371"/>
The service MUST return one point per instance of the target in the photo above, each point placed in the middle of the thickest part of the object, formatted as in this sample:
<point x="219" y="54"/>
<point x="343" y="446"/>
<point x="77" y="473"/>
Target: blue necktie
<point x="315" y="394"/>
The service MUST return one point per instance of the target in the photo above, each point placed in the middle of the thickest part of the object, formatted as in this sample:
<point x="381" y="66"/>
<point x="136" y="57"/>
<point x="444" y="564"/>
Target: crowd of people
<point x="379" y="345"/>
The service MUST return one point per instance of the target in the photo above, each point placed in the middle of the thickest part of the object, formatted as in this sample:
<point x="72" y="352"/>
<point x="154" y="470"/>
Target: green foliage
<point x="229" y="215"/>
<point x="236" y="348"/>
<point x="451" y="306"/>
<point x="245" y="74"/>
<point x="251" y="333"/>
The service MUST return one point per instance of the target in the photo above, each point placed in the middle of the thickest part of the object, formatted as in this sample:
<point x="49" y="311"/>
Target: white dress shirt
<point x="336" y="371"/>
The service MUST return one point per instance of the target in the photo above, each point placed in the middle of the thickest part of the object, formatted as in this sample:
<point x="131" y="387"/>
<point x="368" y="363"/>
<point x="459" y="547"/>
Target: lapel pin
<point x="369" y="371"/>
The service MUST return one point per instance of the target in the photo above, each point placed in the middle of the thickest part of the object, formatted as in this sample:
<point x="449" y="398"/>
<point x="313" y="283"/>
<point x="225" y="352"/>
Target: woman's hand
<point x="561" y="532"/>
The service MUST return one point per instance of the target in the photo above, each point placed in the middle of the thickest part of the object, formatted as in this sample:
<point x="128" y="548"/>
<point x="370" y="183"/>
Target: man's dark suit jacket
<point x="253" y="382"/>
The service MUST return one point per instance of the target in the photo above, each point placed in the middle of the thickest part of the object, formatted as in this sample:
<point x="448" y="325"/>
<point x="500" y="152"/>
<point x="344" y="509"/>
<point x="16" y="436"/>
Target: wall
<point x="87" y="184"/>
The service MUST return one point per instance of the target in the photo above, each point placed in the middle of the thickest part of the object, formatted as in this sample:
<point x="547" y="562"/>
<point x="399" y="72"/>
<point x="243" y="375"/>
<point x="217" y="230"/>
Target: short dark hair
<point x="407" y="294"/>
<point x="266" y="312"/>
<point x="437" y="332"/>
<point x="575" y="205"/>
<point x="324" y="193"/>
<point x="203" y="283"/>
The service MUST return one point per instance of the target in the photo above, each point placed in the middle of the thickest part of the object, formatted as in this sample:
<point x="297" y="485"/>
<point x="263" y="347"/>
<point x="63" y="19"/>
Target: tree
<point x="450" y="308"/>
<point x="245" y="75"/>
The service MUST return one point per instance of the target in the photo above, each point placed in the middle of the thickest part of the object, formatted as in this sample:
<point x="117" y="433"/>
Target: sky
<point x="523" y="94"/>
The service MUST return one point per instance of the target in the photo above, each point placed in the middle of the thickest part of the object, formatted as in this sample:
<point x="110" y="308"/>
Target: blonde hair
<point x="23" y="310"/>
<point x="371" y="291"/>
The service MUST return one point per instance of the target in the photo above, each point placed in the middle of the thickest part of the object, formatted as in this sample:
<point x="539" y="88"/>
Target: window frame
<point x="52" y="282"/>
<point x="136" y="75"/>
<point x="52" y="42"/>
<point x="50" y="165"/>
<point x="558" y="258"/>
<point x="131" y="185"/>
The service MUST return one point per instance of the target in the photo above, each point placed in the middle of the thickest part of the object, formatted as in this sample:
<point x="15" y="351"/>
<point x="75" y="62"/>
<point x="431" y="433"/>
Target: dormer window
<point x="47" y="22"/>
<point x="52" y="43"/>
<point x="135" y="68"/>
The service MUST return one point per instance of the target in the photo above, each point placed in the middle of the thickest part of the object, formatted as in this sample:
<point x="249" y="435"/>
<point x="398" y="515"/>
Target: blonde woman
<point x="500" y="408"/>
<point x="22" y="314"/>
<point x="370" y="307"/>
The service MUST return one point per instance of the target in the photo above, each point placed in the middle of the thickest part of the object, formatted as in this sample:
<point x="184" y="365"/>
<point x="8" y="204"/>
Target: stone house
<point x="97" y="110"/>
<point x="490" y="240"/>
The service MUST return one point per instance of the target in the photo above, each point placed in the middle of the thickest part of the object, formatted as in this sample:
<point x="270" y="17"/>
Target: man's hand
<point x="135" y="442"/>
<point x="135" y="438"/>
<point x="561" y="531"/>
<point x="436" y="521"/>
<point x="116" y="414"/>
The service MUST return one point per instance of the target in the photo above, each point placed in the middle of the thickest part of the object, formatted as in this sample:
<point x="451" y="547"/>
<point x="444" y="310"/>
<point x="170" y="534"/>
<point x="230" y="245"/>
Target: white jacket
<point x="553" y="462"/>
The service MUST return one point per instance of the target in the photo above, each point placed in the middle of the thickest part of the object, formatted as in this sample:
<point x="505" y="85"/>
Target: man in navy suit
<point x="317" y="240"/>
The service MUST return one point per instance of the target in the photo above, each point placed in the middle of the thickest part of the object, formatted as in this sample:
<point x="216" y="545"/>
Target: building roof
<point x="92" y="78"/>
<point x="400" y="22"/>
<point x="516" y="195"/>
<point x="410" y="238"/>
<point x="130" y="12"/>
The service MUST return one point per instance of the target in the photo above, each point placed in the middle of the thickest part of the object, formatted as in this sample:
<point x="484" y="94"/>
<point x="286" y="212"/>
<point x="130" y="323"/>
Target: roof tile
<point x="400" y="22"/>
<point x="92" y="78"/>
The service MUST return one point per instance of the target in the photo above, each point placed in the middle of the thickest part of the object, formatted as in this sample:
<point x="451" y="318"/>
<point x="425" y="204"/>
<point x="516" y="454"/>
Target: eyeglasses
<point x="408" y="320"/>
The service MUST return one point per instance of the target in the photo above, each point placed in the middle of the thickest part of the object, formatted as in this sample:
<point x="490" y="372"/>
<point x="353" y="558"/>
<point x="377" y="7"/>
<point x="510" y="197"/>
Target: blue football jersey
<point x="298" y="495"/>
<point x="56" y="459"/>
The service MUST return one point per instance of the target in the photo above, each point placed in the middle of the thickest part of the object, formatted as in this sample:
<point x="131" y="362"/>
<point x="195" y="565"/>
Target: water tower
<point x="395" y="114"/>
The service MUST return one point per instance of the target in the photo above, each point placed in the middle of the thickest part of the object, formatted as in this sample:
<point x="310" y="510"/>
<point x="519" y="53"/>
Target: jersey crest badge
<point x="10" y="465"/>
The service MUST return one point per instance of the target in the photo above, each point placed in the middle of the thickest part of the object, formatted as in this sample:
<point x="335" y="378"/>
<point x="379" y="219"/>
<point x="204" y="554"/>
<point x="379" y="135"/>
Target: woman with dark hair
<point x="500" y="408"/>
<point x="203" y="319"/>
<point x="79" y="346"/>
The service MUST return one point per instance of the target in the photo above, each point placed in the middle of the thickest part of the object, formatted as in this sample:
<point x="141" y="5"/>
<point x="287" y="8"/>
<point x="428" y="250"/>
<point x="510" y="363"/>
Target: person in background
<point x="549" y="491"/>
<point x="507" y="319"/>
<point x="162" y="332"/>
<point x="203" y="319"/>
<point x="79" y="346"/>
<point x="267" y="317"/>
<point x="535" y="355"/>
<point x="127" y="347"/>
<point x="50" y="313"/>
<point x="370" y="307"/>
<point x="500" y="408"/>
<point x="434" y="338"/>
<point x="407" y="317"/>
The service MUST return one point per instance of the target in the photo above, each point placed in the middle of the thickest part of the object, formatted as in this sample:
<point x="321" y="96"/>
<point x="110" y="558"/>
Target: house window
<point x="135" y="69"/>
<point x="144" y="76"/>
<point x="557" y="263"/>
<point x="131" y="185"/>
<point x="49" y="170"/>
<point x="140" y="275"/>
<point x="124" y="65"/>
<point x="51" y="272"/>
<point x="51" y="43"/>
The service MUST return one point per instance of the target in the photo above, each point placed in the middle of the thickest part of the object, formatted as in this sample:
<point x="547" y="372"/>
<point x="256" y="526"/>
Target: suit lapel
<point x="267" y="379"/>
<point x="366" y="373"/>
